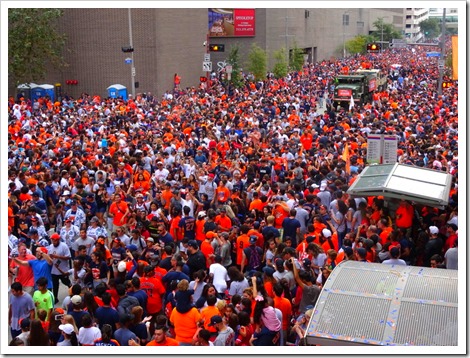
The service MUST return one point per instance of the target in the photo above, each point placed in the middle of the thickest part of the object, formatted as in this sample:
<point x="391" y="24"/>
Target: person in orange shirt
<point x="280" y="212"/>
<point x="155" y="291"/>
<point x="223" y="221"/>
<point x="285" y="306"/>
<point x="208" y="312"/>
<point x="404" y="215"/>
<point x="119" y="211"/>
<point x="222" y="194"/>
<point x="386" y="230"/>
<point x="207" y="249"/>
<point x="328" y="240"/>
<point x="243" y="241"/>
<point x="161" y="339"/>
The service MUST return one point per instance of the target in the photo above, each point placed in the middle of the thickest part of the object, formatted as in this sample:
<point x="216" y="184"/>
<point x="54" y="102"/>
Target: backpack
<point x="255" y="260"/>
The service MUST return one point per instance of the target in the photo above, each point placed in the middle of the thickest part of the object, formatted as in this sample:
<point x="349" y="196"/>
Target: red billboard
<point x="344" y="93"/>
<point x="231" y="22"/>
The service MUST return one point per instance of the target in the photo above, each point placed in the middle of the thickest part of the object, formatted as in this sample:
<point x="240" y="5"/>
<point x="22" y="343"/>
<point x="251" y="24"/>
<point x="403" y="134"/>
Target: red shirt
<point x="155" y="290"/>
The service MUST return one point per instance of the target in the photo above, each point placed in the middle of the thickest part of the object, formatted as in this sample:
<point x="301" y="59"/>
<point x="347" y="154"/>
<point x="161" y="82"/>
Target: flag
<point x="351" y="103"/>
<point x="455" y="57"/>
<point x="346" y="158"/>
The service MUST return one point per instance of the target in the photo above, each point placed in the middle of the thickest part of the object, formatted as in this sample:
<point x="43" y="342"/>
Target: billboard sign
<point x="231" y="22"/>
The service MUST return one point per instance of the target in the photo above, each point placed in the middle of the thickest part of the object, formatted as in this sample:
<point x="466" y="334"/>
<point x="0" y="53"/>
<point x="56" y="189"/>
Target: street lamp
<point x="345" y="23"/>
<point x="132" y="55"/>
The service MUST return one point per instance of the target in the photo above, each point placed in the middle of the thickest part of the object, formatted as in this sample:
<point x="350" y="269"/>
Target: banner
<point x="231" y="22"/>
<point x="455" y="57"/>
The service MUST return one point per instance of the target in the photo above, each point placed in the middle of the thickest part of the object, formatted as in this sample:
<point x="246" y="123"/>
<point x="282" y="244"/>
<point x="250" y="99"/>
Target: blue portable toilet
<point x="37" y="92"/>
<point x="49" y="91"/>
<point x="117" y="90"/>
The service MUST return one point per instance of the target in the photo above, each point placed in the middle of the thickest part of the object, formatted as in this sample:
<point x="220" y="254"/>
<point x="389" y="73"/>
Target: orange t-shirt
<point x="167" y="342"/>
<point x="243" y="241"/>
<point x="285" y="306"/>
<point x="279" y="215"/>
<point x="199" y="229"/>
<point x="185" y="324"/>
<point x="118" y="211"/>
<point x="206" y="315"/>
<point x="207" y="250"/>
<point x="155" y="290"/>
<point x="223" y="222"/>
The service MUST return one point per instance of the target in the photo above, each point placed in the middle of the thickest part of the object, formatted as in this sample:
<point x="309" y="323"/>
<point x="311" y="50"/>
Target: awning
<point x="420" y="185"/>
<point x="366" y="303"/>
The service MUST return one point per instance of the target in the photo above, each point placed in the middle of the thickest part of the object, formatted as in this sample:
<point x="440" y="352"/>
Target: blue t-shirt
<point x="41" y="268"/>
<point x="123" y="335"/>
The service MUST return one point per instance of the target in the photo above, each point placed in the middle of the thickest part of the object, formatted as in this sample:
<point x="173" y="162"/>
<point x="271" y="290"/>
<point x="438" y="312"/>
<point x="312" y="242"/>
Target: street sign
<point x="128" y="61"/>
<point x="133" y="72"/>
<point x="382" y="149"/>
<point x="207" y="66"/>
<point x="207" y="57"/>
<point x="440" y="64"/>
<point x="228" y="68"/>
<point x="433" y="54"/>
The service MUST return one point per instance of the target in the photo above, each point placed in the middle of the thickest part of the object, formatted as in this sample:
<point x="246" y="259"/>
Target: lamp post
<point x="345" y="22"/>
<point x="132" y="55"/>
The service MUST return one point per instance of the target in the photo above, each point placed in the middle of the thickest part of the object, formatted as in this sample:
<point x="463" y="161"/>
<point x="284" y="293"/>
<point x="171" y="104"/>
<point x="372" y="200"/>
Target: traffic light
<point x="373" y="47"/>
<point x="217" y="48"/>
<point x="202" y="79"/>
<point x="127" y="49"/>
<point x="447" y="84"/>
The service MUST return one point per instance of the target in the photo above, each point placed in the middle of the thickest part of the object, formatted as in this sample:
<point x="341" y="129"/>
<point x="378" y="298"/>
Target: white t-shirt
<point x="88" y="335"/>
<point x="220" y="277"/>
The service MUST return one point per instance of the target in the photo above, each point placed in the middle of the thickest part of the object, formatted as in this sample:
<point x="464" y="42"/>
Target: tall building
<point x="170" y="41"/>
<point x="413" y="16"/>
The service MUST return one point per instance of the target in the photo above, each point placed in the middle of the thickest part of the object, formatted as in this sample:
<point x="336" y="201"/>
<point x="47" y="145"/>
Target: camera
<point x="59" y="317"/>
<point x="14" y="255"/>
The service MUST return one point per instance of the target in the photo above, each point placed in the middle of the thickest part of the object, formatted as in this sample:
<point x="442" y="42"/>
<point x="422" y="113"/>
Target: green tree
<point x="34" y="43"/>
<point x="257" y="62"/>
<point x="357" y="44"/>
<point x="234" y="60"/>
<point x="430" y="28"/>
<point x="386" y="29"/>
<point x="296" y="58"/>
<point x="280" y="66"/>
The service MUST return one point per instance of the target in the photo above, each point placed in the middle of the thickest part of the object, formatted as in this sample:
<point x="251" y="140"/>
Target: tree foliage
<point x="33" y="43"/>
<point x="280" y="68"/>
<point x="388" y="30"/>
<point x="358" y="44"/>
<point x="296" y="58"/>
<point x="430" y="28"/>
<point x="234" y="60"/>
<point x="257" y="62"/>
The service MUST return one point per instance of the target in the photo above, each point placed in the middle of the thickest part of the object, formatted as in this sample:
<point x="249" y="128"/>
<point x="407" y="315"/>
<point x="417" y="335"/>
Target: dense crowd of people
<point x="214" y="216"/>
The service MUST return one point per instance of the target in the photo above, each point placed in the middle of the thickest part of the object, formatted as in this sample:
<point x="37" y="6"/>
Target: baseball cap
<point x="193" y="244"/>
<point x="211" y="234"/>
<point x="76" y="300"/>
<point x="66" y="328"/>
<point x="253" y="239"/>
<point x="94" y="219"/>
<point x="215" y="320"/>
<point x="307" y="262"/>
<point x="55" y="236"/>
<point x="201" y="214"/>
<point x="43" y="249"/>
<point x="131" y="247"/>
<point x="151" y="239"/>
<point x="433" y="230"/>
<point x="326" y="233"/>
<point x="121" y="266"/>
<point x="269" y="271"/>
<point x="211" y="175"/>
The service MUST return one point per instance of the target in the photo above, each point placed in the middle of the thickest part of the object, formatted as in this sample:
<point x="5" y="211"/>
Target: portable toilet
<point x="116" y="91"/>
<point x="49" y="91"/>
<point x="37" y="92"/>
<point x="24" y="90"/>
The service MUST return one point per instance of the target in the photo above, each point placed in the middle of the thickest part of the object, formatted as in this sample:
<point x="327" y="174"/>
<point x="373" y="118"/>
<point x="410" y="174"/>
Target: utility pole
<point x="132" y="55"/>
<point x="441" y="60"/>
<point x="345" y="23"/>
